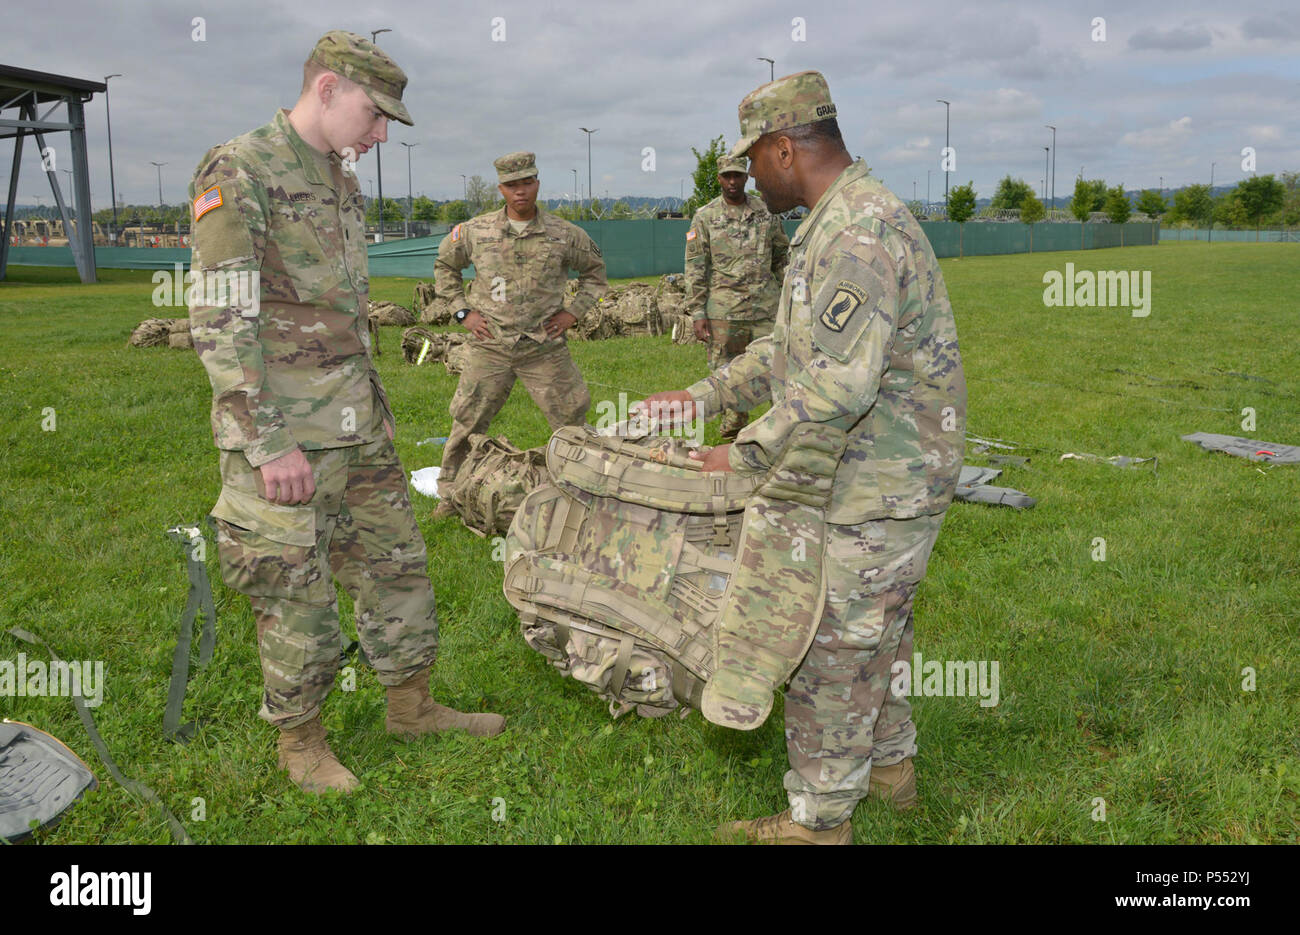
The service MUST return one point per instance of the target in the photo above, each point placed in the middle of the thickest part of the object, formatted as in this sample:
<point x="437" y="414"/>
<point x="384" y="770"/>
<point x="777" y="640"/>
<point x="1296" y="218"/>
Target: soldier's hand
<point x="672" y="407"/>
<point x="559" y="323"/>
<point x="288" y="479"/>
<point x="715" y="459"/>
<point x="477" y="326"/>
<point x="702" y="329"/>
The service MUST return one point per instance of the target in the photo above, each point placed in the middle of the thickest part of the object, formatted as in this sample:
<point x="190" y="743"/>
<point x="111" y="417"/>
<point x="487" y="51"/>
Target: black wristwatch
<point x="461" y="316"/>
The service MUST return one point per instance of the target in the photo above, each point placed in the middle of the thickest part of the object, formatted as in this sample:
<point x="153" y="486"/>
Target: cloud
<point x="1270" y="27"/>
<point x="1179" y="39"/>
<point x="1174" y="133"/>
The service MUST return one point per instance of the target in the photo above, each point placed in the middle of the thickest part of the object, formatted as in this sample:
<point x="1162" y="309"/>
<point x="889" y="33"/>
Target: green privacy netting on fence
<point x="652" y="247"/>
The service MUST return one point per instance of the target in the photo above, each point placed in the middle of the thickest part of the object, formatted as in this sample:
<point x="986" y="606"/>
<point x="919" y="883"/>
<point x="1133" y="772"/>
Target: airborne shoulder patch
<point x="844" y="301"/>
<point x="843" y="310"/>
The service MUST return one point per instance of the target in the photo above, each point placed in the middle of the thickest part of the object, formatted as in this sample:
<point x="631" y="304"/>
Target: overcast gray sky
<point x="1174" y="86"/>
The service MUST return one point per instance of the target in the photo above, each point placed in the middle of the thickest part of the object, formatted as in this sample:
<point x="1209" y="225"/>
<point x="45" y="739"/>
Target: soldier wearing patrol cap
<point x="736" y="252"/>
<point x="310" y="479"/>
<point x="864" y="343"/>
<point x="514" y="311"/>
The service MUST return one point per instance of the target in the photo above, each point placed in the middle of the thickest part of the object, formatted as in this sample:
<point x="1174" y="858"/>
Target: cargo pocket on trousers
<point x="269" y="550"/>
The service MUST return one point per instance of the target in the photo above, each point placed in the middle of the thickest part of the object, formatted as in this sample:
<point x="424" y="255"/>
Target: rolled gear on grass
<point x="429" y="308"/>
<point x="178" y="340"/>
<point x="636" y="308"/>
<point x="492" y="483"/>
<point x="390" y="313"/>
<point x="154" y="332"/>
<point x="440" y="344"/>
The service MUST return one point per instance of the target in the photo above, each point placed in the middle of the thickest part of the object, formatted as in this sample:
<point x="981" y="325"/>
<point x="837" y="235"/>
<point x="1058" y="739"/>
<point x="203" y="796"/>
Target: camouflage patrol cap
<point x="733" y="164"/>
<point x="788" y="102"/>
<point x="513" y="166"/>
<point x="360" y="60"/>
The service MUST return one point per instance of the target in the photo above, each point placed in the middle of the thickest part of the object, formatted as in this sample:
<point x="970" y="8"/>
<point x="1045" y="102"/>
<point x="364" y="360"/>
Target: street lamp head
<point x="106" y="77"/>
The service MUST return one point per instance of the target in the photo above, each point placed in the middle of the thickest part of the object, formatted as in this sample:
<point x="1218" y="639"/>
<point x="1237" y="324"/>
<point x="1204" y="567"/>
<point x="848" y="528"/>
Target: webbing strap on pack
<point x="192" y="544"/>
<point x="138" y="789"/>
<point x="621" y="664"/>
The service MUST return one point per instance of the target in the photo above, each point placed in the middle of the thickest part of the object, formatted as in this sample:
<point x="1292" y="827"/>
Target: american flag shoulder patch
<point x="455" y="233"/>
<point x="690" y="235"/>
<point x="207" y="201"/>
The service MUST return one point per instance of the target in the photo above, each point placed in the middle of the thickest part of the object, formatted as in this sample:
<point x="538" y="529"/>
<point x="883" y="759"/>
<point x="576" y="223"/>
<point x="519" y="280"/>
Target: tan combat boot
<point x="444" y="508"/>
<point x="411" y="712"/>
<point x="895" y="784"/>
<point x="780" y="829"/>
<point x="311" y="763"/>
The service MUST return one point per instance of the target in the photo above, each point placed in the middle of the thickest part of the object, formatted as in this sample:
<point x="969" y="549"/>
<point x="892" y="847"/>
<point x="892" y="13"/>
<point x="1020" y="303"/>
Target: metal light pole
<point x="1045" y="151"/>
<point x="464" y="191"/>
<point x="577" y="196"/>
<point x="927" y="191"/>
<point x="1053" y="129"/>
<point x="588" y="132"/>
<point x="112" y="184"/>
<point x="947" y="109"/>
<point x="379" y="164"/>
<point x="771" y="67"/>
<point x="159" y="166"/>
<point x="410" y="200"/>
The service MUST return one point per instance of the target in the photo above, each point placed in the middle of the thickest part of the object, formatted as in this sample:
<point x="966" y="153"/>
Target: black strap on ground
<point x="137" y="789"/>
<point x="194" y="548"/>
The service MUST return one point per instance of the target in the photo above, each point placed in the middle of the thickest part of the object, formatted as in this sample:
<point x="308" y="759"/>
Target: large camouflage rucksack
<point x="492" y="481"/>
<point x="623" y="569"/>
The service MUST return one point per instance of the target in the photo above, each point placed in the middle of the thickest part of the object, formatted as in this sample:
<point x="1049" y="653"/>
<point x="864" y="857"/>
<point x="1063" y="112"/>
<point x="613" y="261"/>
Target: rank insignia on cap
<point x="690" y="235"/>
<point x="207" y="201"/>
<point x="848" y="296"/>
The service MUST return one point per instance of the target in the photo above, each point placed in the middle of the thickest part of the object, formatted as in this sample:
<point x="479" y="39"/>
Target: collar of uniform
<point x="534" y="223"/>
<point x="309" y="156"/>
<point x="857" y="170"/>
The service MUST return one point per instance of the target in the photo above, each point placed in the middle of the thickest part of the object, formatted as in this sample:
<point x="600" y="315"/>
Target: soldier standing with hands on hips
<point x="310" y="479"/>
<point x="864" y="343"/>
<point x="736" y="253"/>
<point x="514" y="311"/>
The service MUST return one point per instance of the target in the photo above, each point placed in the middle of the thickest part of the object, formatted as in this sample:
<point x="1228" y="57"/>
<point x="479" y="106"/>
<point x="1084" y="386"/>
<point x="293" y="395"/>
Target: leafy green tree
<point x="1258" y="196"/>
<point x="1118" y="210"/>
<point x="392" y="212"/>
<point x="961" y="206"/>
<point x="480" y="196"/>
<point x="1151" y="203"/>
<point x="1031" y="209"/>
<point x="1291" y="206"/>
<point x="1011" y="193"/>
<point x="1193" y="204"/>
<point x="705" y="177"/>
<point x="1229" y="211"/>
<point x="1031" y="212"/>
<point x="424" y="209"/>
<point x="619" y="211"/>
<point x="1081" y="201"/>
<point x="453" y="212"/>
<point x="1099" y="194"/>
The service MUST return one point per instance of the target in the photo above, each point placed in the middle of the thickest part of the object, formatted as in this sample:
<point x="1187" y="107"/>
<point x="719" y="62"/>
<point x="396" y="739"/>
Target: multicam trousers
<point x="840" y="716"/>
<point x="547" y="372"/>
<point x="727" y="341"/>
<point x="360" y="525"/>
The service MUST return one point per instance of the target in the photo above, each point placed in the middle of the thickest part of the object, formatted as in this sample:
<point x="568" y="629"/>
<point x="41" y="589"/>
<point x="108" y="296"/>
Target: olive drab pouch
<point x="492" y="483"/>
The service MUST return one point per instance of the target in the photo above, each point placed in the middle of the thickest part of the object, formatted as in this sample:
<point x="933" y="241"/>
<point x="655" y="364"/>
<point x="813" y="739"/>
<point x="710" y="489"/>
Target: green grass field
<point x="1120" y="679"/>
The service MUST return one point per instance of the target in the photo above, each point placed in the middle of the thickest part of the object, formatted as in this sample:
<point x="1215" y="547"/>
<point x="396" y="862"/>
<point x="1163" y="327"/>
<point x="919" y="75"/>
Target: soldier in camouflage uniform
<point x="864" y="341"/>
<point x="736" y="253"/>
<point x="514" y="311"/>
<point x="310" y="479"/>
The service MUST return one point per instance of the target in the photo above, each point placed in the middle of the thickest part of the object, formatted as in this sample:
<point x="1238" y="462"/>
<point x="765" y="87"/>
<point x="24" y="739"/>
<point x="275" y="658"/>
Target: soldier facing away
<point x="310" y="479"/>
<point x="736" y="252"/>
<point x="864" y="342"/>
<point x="521" y="256"/>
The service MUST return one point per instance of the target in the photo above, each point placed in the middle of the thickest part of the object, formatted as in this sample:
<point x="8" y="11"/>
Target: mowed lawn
<point x="1124" y="680"/>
